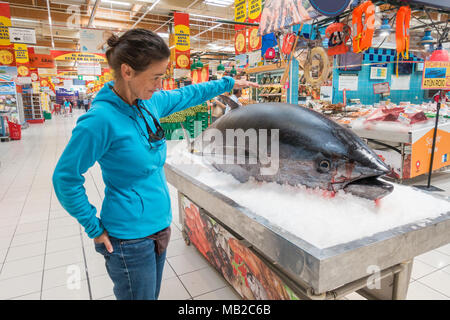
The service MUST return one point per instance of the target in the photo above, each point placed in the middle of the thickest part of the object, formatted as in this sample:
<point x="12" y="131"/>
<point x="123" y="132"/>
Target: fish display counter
<point x="273" y="241"/>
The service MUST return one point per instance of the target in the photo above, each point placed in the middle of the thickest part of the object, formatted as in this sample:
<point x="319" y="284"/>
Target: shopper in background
<point x="66" y="105"/>
<point x="237" y="93"/>
<point x="122" y="132"/>
<point x="86" y="104"/>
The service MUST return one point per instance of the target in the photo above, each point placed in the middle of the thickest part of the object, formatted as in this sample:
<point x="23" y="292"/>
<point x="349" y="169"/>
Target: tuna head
<point x="333" y="158"/>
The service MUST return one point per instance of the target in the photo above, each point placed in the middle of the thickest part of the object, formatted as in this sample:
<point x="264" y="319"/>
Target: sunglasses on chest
<point x="152" y="136"/>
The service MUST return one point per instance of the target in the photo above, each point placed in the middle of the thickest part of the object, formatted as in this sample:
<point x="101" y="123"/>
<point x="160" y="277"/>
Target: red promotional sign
<point x="254" y="41"/>
<point x="7" y="57"/>
<point x="240" y="42"/>
<point x="41" y="60"/>
<point x="182" y="40"/>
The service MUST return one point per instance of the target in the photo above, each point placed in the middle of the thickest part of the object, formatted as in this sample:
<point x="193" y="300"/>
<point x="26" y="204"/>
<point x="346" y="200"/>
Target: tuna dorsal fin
<point x="228" y="101"/>
<point x="190" y="143"/>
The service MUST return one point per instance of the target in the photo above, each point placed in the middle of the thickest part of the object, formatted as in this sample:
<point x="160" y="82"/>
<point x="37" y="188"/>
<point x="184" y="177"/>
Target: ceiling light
<point x="163" y="34"/>
<point x="219" y="3"/>
<point x="427" y="40"/>
<point x="119" y="3"/>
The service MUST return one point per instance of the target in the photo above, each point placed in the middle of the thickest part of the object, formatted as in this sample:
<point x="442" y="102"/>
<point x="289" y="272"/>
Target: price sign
<point x="436" y="75"/>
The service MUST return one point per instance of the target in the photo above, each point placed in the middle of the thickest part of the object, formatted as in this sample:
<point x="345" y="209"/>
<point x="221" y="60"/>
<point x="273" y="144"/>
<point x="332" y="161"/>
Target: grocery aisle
<point x="44" y="252"/>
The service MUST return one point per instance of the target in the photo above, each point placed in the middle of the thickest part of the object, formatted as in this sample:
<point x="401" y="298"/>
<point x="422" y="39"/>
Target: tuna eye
<point x="324" y="165"/>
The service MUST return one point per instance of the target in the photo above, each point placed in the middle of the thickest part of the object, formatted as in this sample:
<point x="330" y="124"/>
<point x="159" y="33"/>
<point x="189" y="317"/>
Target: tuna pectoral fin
<point x="369" y="188"/>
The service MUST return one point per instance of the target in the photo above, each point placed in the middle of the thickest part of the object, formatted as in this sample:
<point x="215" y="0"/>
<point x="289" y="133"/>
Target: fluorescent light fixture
<point x="219" y="3"/>
<point x="119" y="3"/>
<point x="153" y="5"/>
<point x="212" y="28"/>
<point x="228" y="49"/>
<point x="163" y="34"/>
<point x="24" y="20"/>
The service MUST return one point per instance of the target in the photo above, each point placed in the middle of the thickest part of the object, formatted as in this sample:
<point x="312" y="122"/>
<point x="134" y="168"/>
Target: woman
<point x="66" y="104"/>
<point x="122" y="132"/>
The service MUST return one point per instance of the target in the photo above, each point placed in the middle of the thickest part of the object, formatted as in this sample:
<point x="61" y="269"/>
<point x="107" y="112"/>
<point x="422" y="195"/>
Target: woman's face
<point x="142" y="85"/>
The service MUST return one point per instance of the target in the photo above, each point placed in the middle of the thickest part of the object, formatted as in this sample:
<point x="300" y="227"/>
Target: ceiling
<point x="67" y="17"/>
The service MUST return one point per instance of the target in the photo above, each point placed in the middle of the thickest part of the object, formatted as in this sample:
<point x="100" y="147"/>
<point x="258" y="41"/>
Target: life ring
<point x="402" y="31"/>
<point x="362" y="31"/>
<point x="338" y="34"/>
<point x="315" y="82"/>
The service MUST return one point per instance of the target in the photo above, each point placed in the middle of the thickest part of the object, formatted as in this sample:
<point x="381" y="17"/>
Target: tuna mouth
<point x="370" y="188"/>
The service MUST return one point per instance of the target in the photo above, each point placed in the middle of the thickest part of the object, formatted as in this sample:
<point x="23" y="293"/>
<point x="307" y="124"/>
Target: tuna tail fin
<point x="190" y="143"/>
<point x="228" y="101"/>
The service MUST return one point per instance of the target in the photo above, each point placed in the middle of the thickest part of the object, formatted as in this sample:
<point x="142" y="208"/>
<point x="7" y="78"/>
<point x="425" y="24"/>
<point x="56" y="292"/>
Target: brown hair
<point x="138" y="48"/>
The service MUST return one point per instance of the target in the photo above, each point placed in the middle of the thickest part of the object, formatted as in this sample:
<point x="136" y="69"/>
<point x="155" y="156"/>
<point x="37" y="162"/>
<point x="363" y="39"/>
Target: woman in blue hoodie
<point x="122" y="133"/>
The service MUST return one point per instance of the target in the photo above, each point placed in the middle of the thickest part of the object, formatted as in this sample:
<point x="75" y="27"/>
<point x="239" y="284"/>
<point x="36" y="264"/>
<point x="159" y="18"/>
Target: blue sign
<point x="330" y="8"/>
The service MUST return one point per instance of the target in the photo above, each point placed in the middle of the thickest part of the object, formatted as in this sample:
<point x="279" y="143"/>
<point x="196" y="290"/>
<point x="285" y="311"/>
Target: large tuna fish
<point x="311" y="150"/>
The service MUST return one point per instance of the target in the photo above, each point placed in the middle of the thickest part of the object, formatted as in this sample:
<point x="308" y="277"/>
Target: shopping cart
<point x="56" y="108"/>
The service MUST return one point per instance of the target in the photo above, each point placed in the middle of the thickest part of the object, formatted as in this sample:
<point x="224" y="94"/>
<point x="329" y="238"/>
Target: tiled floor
<point x="44" y="253"/>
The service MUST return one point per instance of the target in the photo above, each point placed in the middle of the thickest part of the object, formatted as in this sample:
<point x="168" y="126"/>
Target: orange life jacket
<point x="362" y="31"/>
<point x="338" y="33"/>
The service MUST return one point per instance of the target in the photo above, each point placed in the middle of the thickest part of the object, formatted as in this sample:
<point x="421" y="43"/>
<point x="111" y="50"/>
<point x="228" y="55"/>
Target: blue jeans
<point x="134" y="267"/>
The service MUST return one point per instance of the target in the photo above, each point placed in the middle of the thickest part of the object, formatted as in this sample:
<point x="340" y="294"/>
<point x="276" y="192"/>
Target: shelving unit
<point x="32" y="108"/>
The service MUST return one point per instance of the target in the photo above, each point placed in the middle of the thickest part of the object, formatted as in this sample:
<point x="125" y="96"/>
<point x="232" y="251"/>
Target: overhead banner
<point x="240" y="13"/>
<point x="21" y="53"/>
<point x="182" y="40"/>
<point x="78" y="56"/>
<point x="7" y="56"/>
<point x="5" y="23"/>
<point x="436" y="75"/>
<point x="254" y="10"/>
<point x="254" y="40"/>
<point x="240" y="41"/>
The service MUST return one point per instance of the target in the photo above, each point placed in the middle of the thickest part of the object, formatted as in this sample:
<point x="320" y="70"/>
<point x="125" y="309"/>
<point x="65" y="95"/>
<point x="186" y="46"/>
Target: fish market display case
<point x="263" y="261"/>
<point x="412" y="148"/>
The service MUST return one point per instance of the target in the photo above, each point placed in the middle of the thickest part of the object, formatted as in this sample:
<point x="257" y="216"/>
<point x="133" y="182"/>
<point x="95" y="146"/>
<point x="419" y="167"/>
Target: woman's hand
<point x="244" y="84"/>
<point x="104" y="238"/>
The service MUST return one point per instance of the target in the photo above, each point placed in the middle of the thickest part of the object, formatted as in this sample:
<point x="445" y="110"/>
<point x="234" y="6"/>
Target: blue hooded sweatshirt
<point x="112" y="132"/>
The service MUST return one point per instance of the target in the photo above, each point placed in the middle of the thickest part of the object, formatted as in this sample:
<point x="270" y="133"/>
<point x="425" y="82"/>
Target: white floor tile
<point x="226" y="293"/>
<point x="172" y="289"/>
<point x="96" y="266"/>
<point x="435" y="259"/>
<point x="26" y="251"/>
<point x="355" y="296"/>
<point x="19" y="286"/>
<point x="57" y="232"/>
<point x="179" y="247"/>
<point x="62" y="258"/>
<point x="202" y="281"/>
<point x="63" y="244"/>
<point x="168" y="272"/>
<point x="21" y="267"/>
<point x="64" y="275"/>
<point x="31" y="296"/>
<point x="419" y="291"/>
<point x="65" y="293"/>
<point x="446" y="269"/>
<point x="439" y="281"/>
<point x="421" y="269"/>
<point x="444" y="249"/>
<point x="187" y="263"/>
<point x="28" y="238"/>
<point x="101" y="287"/>
<point x="31" y="227"/>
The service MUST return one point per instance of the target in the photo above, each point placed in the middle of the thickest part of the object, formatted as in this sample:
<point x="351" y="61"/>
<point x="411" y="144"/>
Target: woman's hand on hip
<point x="104" y="238"/>
<point x="238" y="83"/>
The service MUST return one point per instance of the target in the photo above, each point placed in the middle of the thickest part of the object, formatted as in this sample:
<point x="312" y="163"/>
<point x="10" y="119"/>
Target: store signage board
<point x="94" y="41"/>
<point x="348" y="82"/>
<point x="182" y="40"/>
<point x="378" y="73"/>
<point x="241" y="60"/>
<point x="78" y="56"/>
<point x="381" y="88"/>
<point x="5" y="22"/>
<point x="330" y="8"/>
<point x="7" y="73"/>
<point x="436" y="75"/>
<point x="22" y="35"/>
<point x="400" y="82"/>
